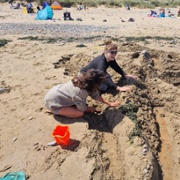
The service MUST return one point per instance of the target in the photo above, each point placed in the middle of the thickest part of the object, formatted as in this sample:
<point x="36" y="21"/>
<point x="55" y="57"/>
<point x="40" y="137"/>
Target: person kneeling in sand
<point x="105" y="60"/>
<point x="69" y="99"/>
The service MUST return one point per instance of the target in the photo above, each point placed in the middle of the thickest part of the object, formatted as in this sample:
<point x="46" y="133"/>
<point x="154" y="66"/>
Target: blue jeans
<point x="104" y="86"/>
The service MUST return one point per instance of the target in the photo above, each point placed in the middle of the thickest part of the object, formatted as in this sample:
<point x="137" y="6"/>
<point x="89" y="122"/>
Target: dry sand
<point x="99" y="146"/>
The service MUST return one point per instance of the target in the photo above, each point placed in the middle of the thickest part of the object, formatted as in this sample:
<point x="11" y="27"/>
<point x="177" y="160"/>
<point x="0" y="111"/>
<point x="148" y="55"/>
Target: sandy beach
<point x="40" y="54"/>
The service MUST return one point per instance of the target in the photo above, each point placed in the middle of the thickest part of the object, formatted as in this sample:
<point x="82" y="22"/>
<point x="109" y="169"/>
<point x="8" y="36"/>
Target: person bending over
<point x="69" y="99"/>
<point x="105" y="60"/>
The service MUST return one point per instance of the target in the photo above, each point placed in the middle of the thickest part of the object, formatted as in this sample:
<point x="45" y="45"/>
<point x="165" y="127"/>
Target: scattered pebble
<point x="30" y="118"/>
<point x="145" y="146"/>
<point x="14" y="139"/>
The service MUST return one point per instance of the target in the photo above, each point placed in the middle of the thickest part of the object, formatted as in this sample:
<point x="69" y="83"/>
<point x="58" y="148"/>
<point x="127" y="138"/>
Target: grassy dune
<point x="113" y="3"/>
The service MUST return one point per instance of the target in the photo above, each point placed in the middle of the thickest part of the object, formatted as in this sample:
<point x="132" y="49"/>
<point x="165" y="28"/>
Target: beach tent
<point x="56" y="6"/>
<point x="45" y="14"/>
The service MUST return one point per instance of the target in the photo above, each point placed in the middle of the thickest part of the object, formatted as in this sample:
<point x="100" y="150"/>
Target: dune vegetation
<point x="121" y="3"/>
<point x="113" y="3"/>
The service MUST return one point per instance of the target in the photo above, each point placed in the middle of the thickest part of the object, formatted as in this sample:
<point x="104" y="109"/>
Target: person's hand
<point x="93" y="110"/>
<point x="90" y="109"/>
<point x="129" y="76"/>
<point x="124" y="88"/>
<point x="114" y="104"/>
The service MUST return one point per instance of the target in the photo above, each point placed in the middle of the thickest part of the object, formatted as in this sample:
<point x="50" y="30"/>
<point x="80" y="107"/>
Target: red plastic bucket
<point x="61" y="134"/>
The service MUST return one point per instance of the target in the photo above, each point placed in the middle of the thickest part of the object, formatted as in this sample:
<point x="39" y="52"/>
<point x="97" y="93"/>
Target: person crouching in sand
<point x="69" y="99"/>
<point x="105" y="60"/>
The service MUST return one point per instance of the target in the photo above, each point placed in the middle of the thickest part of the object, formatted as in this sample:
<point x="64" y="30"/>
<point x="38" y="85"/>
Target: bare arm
<point x="112" y="104"/>
<point x="97" y="97"/>
<point x="124" y="88"/>
<point x="131" y="76"/>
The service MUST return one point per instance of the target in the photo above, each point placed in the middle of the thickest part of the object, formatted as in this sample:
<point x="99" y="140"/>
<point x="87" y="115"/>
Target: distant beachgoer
<point x="11" y="3"/>
<point x="14" y="6"/>
<point x="29" y="8"/>
<point x="153" y="14"/>
<point x="162" y="12"/>
<point x="79" y="7"/>
<point x="45" y="4"/>
<point x="127" y="6"/>
<point x="105" y="60"/>
<point x="69" y="99"/>
<point x="170" y="14"/>
<point x="178" y="13"/>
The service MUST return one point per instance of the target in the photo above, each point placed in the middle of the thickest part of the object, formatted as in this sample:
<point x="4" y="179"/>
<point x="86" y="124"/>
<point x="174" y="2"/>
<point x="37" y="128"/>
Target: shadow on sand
<point x="104" y="122"/>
